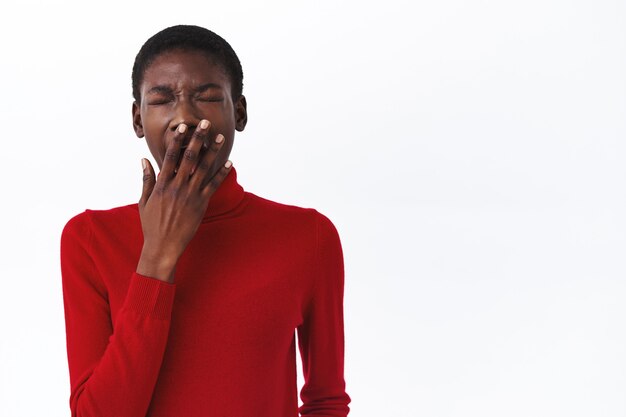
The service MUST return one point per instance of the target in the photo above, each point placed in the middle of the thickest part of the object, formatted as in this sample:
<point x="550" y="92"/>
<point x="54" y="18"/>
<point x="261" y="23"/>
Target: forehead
<point x="181" y="69"/>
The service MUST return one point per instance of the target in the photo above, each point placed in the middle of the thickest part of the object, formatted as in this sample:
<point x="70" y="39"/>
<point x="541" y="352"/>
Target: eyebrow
<point x="160" y="89"/>
<point x="206" y="86"/>
<point x="164" y="89"/>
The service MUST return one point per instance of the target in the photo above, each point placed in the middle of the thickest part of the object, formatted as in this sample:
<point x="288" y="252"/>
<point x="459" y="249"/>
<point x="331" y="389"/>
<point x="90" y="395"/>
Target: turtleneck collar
<point x="228" y="196"/>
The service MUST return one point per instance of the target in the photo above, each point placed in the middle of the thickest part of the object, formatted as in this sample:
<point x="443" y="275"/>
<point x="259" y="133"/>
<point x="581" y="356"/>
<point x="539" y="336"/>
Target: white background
<point x="471" y="154"/>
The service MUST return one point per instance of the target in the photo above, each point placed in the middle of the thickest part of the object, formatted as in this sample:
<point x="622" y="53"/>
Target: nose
<point x="184" y="112"/>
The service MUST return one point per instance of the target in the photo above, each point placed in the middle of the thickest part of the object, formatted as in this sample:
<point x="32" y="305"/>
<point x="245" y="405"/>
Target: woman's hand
<point x="172" y="206"/>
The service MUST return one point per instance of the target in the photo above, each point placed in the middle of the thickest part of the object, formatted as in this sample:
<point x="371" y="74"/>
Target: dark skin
<point x="188" y="117"/>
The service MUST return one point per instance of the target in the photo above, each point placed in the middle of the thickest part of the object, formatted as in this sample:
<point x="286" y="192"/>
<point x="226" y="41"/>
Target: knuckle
<point x="147" y="177"/>
<point x="171" y="155"/>
<point x="171" y="192"/>
<point x="215" y="181"/>
<point x="198" y="135"/>
<point x="190" y="154"/>
<point x="204" y="165"/>
<point x="214" y="147"/>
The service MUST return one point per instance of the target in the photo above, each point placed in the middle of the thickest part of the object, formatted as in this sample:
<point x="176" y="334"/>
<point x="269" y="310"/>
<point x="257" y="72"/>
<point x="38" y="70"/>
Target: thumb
<point x="149" y="180"/>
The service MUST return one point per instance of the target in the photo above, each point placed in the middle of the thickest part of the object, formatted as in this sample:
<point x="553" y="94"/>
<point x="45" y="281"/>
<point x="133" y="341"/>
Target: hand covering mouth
<point x="182" y="150"/>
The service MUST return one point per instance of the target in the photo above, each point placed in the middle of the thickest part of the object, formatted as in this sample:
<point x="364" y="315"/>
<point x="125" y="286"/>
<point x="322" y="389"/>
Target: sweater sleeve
<point x="113" y="366"/>
<point x="321" y="335"/>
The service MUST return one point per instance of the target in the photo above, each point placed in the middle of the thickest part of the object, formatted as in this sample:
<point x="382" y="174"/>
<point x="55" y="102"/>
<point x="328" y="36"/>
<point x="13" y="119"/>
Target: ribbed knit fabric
<point x="220" y="341"/>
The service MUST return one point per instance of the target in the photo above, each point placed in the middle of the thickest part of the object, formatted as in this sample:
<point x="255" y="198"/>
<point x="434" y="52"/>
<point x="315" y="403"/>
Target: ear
<point x="241" y="114"/>
<point x="137" y="123"/>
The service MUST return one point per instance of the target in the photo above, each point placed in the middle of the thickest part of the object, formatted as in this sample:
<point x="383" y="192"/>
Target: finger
<point x="192" y="152"/>
<point x="148" y="181"/>
<point x="206" y="165"/>
<point x="217" y="179"/>
<point x="170" y="159"/>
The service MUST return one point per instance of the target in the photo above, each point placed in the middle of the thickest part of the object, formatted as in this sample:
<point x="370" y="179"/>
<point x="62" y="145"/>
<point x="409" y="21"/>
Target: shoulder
<point x="83" y="224"/>
<point x="290" y="213"/>
<point x="272" y="207"/>
<point x="307" y="223"/>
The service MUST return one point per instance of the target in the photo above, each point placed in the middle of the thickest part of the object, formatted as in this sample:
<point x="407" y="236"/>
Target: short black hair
<point x="188" y="37"/>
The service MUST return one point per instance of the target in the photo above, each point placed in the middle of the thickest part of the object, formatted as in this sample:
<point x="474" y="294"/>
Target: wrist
<point x="155" y="265"/>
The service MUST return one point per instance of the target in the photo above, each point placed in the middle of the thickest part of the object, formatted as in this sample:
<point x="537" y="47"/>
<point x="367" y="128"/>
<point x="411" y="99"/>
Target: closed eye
<point x="157" y="101"/>
<point x="210" y="99"/>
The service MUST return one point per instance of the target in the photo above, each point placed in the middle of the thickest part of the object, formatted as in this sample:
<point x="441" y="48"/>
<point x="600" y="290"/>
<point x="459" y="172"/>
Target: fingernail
<point x="182" y="128"/>
<point x="204" y="124"/>
<point x="219" y="138"/>
<point x="144" y="164"/>
<point x="228" y="164"/>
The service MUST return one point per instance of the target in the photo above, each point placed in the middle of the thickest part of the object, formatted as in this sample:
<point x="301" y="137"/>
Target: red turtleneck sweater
<point x="221" y="340"/>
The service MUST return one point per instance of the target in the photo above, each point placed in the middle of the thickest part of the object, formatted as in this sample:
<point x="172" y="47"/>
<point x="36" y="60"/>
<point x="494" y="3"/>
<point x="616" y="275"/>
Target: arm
<point x="113" y="368"/>
<point x="321" y="336"/>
